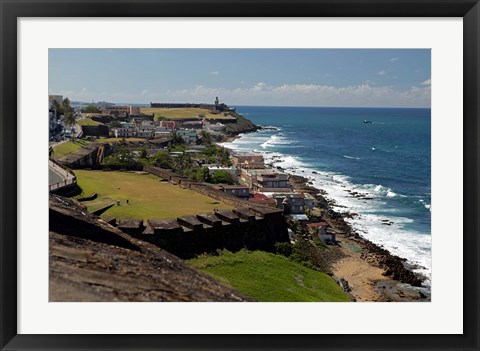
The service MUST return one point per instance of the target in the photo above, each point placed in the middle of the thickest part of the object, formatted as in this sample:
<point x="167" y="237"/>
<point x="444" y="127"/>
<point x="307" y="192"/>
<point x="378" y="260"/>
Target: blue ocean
<point x="387" y="160"/>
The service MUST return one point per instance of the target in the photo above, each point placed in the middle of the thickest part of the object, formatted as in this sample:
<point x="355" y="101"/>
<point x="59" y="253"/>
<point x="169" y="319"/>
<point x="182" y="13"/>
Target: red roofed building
<point x="317" y="225"/>
<point x="321" y="229"/>
<point x="262" y="200"/>
<point x="168" y="124"/>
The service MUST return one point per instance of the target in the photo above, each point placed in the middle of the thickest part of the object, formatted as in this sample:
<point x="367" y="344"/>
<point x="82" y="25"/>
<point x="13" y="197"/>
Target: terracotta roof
<point x="318" y="224"/>
<point x="267" y="201"/>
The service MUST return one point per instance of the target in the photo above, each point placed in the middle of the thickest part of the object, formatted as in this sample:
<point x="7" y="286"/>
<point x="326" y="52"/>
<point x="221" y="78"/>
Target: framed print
<point x="211" y="163"/>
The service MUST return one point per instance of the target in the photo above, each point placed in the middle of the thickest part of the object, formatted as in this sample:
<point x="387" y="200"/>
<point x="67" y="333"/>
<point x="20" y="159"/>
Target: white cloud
<point x="363" y="95"/>
<point x="393" y="59"/>
<point x="426" y="82"/>
<point x="382" y="72"/>
<point x="215" y="73"/>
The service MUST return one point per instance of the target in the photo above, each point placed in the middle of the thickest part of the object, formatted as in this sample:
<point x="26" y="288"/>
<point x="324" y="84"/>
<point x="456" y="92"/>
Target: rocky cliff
<point x="93" y="261"/>
<point x="243" y="125"/>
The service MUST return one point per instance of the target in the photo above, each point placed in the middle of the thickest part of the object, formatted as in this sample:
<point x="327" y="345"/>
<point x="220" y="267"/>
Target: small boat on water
<point x="365" y="121"/>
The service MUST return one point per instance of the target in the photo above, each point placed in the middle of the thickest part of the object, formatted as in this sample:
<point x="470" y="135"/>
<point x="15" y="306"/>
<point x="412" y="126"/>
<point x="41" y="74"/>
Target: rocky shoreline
<point x="397" y="281"/>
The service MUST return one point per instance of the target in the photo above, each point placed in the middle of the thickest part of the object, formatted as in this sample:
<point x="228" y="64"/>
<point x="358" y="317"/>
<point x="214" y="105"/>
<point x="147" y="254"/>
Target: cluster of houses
<point x="143" y="126"/>
<point x="270" y="187"/>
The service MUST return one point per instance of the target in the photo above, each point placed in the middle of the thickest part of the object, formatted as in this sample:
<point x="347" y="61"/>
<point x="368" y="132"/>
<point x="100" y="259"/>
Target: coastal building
<point x="215" y="168"/>
<point x="248" y="161"/>
<point x="170" y="125"/>
<point x="123" y="132"/>
<point x="320" y="229"/>
<point x="120" y="110"/>
<point x="309" y="201"/>
<point x="162" y="132"/>
<point x="262" y="199"/>
<point x="192" y="125"/>
<point x="291" y="203"/>
<point x="265" y="180"/>
<point x="188" y="136"/>
<point x="236" y="190"/>
<point x="127" y="130"/>
<point x="295" y="203"/>
<point x="146" y="133"/>
<point x="214" y="127"/>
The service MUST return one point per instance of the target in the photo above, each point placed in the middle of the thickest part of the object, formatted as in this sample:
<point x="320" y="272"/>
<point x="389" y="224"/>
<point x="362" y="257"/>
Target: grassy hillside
<point x="270" y="278"/>
<point x="88" y="122"/>
<point x="68" y="147"/>
<point x="148" y="197"/>
<point x="173" y="113"/>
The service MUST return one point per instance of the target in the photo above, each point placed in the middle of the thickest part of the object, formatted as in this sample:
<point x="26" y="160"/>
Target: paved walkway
<point x="54" y="177"/>
<point x="58" y="177"/>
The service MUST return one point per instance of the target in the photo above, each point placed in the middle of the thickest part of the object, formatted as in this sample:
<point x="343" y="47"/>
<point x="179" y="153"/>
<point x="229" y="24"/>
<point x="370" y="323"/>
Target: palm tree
<point x="69" y="117"/>
<point x="68" y="113"/>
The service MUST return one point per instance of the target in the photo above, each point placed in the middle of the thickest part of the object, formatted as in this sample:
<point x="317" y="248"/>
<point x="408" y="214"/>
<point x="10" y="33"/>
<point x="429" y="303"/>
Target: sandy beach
<point x="369" y="272"/>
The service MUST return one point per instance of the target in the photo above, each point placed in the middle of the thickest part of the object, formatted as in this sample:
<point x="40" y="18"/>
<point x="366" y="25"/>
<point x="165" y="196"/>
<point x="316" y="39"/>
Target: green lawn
<point x="148" y="197"/>
<point x="270" y="278"/>
<point x="173" y="113"/>
<point x="68" y="147"/>
<point x="88" y="122"/>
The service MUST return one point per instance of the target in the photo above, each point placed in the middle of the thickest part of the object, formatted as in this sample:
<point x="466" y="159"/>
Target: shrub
<point x="284" y="249"/>
<point x="305" y="252"/>
<point x="222" y="177"/>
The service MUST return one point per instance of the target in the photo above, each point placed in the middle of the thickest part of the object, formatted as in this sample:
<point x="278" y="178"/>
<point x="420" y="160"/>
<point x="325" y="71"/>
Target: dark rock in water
<point x="315" y="172"/>
<point x="422" y="295"/>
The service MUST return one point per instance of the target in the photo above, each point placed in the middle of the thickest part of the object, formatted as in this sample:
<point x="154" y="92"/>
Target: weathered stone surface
<point x="93" y="261"/>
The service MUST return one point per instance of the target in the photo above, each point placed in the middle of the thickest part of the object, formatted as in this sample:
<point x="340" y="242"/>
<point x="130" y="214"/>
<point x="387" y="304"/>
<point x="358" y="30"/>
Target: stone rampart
<point x="95" y="130"/>
<point x="189" y="236"/>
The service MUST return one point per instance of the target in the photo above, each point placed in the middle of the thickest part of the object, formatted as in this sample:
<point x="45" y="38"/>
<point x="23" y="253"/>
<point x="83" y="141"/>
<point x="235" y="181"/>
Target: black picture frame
<point x="12" y="9"/>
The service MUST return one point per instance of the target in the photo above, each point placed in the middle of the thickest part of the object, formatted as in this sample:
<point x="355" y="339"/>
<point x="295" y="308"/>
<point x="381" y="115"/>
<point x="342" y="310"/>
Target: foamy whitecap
<point x="351" y="157"/>
<point x="391" y="194"/>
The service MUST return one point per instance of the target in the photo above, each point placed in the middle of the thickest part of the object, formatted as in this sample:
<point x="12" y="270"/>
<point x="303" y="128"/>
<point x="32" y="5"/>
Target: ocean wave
<point x="268" y="127"/>
<point x="351" y="157"/>
<point x="274" y="140"/>
<point x="426" y="205"/>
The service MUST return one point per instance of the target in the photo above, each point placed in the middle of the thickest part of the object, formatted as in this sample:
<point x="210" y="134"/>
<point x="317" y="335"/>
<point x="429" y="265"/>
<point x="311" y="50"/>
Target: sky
<point x="255" y="77"/>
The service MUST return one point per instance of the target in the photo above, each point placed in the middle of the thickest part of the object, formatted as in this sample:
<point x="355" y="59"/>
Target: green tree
<point x="58" y="107"/>
<point x="143" y="152"/>
<point x="202" y="175"/>
<point x="206" y="138"/>
<point x="91" y="109"/>
<point x="163" y="160"/>
<point x="123" y="156"/>
<point x="222" y="177"/>
<point x="177" y="139"/>
<point x="116" y="124"/>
